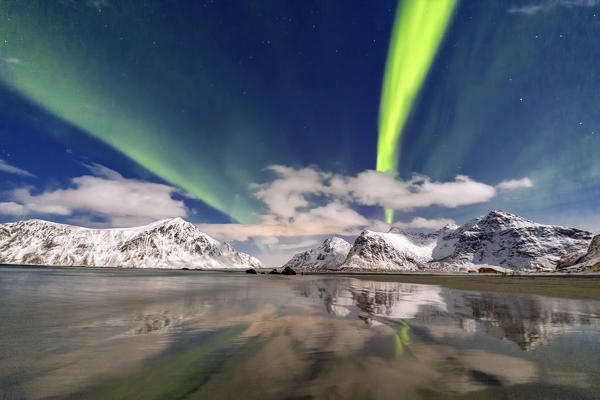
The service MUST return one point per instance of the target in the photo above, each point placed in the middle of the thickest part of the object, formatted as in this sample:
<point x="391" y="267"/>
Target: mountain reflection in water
<point x="72" y="333"/>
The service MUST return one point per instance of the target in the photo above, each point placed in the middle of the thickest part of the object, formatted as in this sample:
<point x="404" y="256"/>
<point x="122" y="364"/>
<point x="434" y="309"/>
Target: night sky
<point x="115" y="113"/>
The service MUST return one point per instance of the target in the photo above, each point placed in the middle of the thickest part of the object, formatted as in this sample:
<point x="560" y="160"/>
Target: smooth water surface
<point x="123" y="334"/>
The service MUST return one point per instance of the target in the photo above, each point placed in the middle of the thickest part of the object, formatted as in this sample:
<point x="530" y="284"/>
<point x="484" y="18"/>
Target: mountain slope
<point x="587" y="260"/>
<point x="392" y="251"/>
<point x="501" y="240"/>
<point x="329" y="255"/>
<point x="171" y="243"/>
<point x="504" y="240"/>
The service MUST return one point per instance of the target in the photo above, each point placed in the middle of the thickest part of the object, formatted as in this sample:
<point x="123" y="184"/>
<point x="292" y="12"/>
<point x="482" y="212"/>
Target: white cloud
<point x="377" y="188"/>
<point x="106" y="194"/>
<point x="308" y="202"/>
<point x="268" y="241"/>
<point x="420" y="222"/>
<point x="333" y="218"/>
<point x="11" y="169"/>
<point x="515" y="184"/>
<point x="549" y="5"/>
<point x="298" y="245"/>
<point x="286" y="193"/>
<point x="301" y="203"/>
<point x="12" y="208"/>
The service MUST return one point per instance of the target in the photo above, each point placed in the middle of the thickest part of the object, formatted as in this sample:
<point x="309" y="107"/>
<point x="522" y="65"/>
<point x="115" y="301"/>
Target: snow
<point x="499" y="240"/>
<point x="392" y="251"/>
<point x="172" y="243"/>
<point x="421" y="249"/>
<point x="329" y="255"/>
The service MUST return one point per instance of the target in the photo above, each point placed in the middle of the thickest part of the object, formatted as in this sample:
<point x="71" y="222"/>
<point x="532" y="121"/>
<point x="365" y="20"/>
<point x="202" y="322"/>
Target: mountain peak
<point x="328" y="255"/>
<point x="334" y="240"/>
<point x="499" y="239"/>
<point x="501" y="214"/>
<point x="169" y="243"/>
<point x="170" y="222"/>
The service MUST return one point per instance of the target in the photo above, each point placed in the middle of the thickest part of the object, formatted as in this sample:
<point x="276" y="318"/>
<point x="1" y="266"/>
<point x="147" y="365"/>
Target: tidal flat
<point x="156" y="334"/>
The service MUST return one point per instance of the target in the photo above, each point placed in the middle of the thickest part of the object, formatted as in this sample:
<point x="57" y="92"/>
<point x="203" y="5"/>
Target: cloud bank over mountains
<point x="298" y="202"/>
<point x="105" y="194"/>
<point x="308" y="201"/>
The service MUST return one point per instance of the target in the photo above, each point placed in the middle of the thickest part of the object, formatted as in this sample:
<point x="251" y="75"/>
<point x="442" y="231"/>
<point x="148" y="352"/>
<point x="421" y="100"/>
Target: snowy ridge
<point x="507" y="241"/>
<point x="329" y="255"/>
<point x="500" y="240"/>
<point x="172" y="243"/>
<point x="392" y="251"/>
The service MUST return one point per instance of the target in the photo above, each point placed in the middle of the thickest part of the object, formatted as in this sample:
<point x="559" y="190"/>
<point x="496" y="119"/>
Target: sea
<point x="102" y="333"/>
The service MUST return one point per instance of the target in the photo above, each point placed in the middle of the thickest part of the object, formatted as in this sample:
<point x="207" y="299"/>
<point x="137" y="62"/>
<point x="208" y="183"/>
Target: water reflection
<point x="214" y="335"/>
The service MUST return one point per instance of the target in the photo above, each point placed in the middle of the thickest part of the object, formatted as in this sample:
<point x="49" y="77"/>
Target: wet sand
<point x="577" y="286"/>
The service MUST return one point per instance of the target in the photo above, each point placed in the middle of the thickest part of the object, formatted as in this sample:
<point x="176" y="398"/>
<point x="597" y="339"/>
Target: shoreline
<point x="455" y="274"/>
<point x="333" y="272"/>
<point x="579" y="286"/>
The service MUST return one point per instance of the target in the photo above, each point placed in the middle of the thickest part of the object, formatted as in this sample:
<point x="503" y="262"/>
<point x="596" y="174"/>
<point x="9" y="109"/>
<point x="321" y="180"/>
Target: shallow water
<point x="105" y="333"/>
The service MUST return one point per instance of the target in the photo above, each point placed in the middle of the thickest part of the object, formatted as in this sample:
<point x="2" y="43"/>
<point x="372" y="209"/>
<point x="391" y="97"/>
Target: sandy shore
<point x="579" y="286"/>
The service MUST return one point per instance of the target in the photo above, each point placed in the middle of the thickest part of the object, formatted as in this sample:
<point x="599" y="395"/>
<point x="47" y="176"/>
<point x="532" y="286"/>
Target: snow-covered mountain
<point x="586" y="260"/>
<point x="173" y="243"/>
<point x="391" y="251"/>
<point x="500" y="240"/>
<point x="328" y="256"/>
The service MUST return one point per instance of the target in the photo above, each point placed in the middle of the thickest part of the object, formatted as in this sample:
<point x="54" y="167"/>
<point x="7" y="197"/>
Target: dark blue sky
<point x="203" y="96"/>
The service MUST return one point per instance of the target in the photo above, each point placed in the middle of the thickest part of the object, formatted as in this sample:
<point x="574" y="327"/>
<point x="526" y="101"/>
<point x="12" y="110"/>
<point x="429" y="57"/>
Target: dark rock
<point x="251" y="271"/>
<point x="488" y="270"/>
<point x="570" y="259"/>
<point x="588" y="260"/>
<point x="274" y="272"/>
<point x="288" y="271"/>
<point x="185" y="268"/>
<point x="486" y="379"/>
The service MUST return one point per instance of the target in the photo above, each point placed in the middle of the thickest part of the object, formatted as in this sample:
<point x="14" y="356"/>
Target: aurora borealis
<point x="418" y="30"/>
<point x="207" y="97"/>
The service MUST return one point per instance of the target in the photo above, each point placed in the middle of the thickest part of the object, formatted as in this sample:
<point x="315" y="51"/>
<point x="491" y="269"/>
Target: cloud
<point x="549" y="5"/>
<point x="377" y="188"/>
<point x="286" y="193"/>
<point x="299" y="245"/>
<point x="268" y="241"/>
<point x="309" y="202"/>
<point x="300" y="203"/>
<point x="420" y="222"/>
<point x="515" y="184"/>
<point x="11" y="169"/>
<point x="12" y="208"/>
<point x="333" y="218"/>
<point x="105" y="194"/>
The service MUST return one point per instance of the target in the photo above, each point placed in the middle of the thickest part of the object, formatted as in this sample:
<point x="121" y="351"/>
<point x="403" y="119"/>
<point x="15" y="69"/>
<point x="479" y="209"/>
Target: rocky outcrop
<point x="582" y="261"/>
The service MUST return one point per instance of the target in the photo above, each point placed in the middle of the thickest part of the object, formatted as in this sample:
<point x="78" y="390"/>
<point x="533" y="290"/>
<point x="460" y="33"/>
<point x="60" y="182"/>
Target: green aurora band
<point x="418" y="30"/>
<point x="102" y="75"/>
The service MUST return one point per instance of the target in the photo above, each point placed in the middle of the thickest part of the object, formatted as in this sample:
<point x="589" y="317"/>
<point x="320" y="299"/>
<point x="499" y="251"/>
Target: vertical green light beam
<point x="418" y="30"/>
